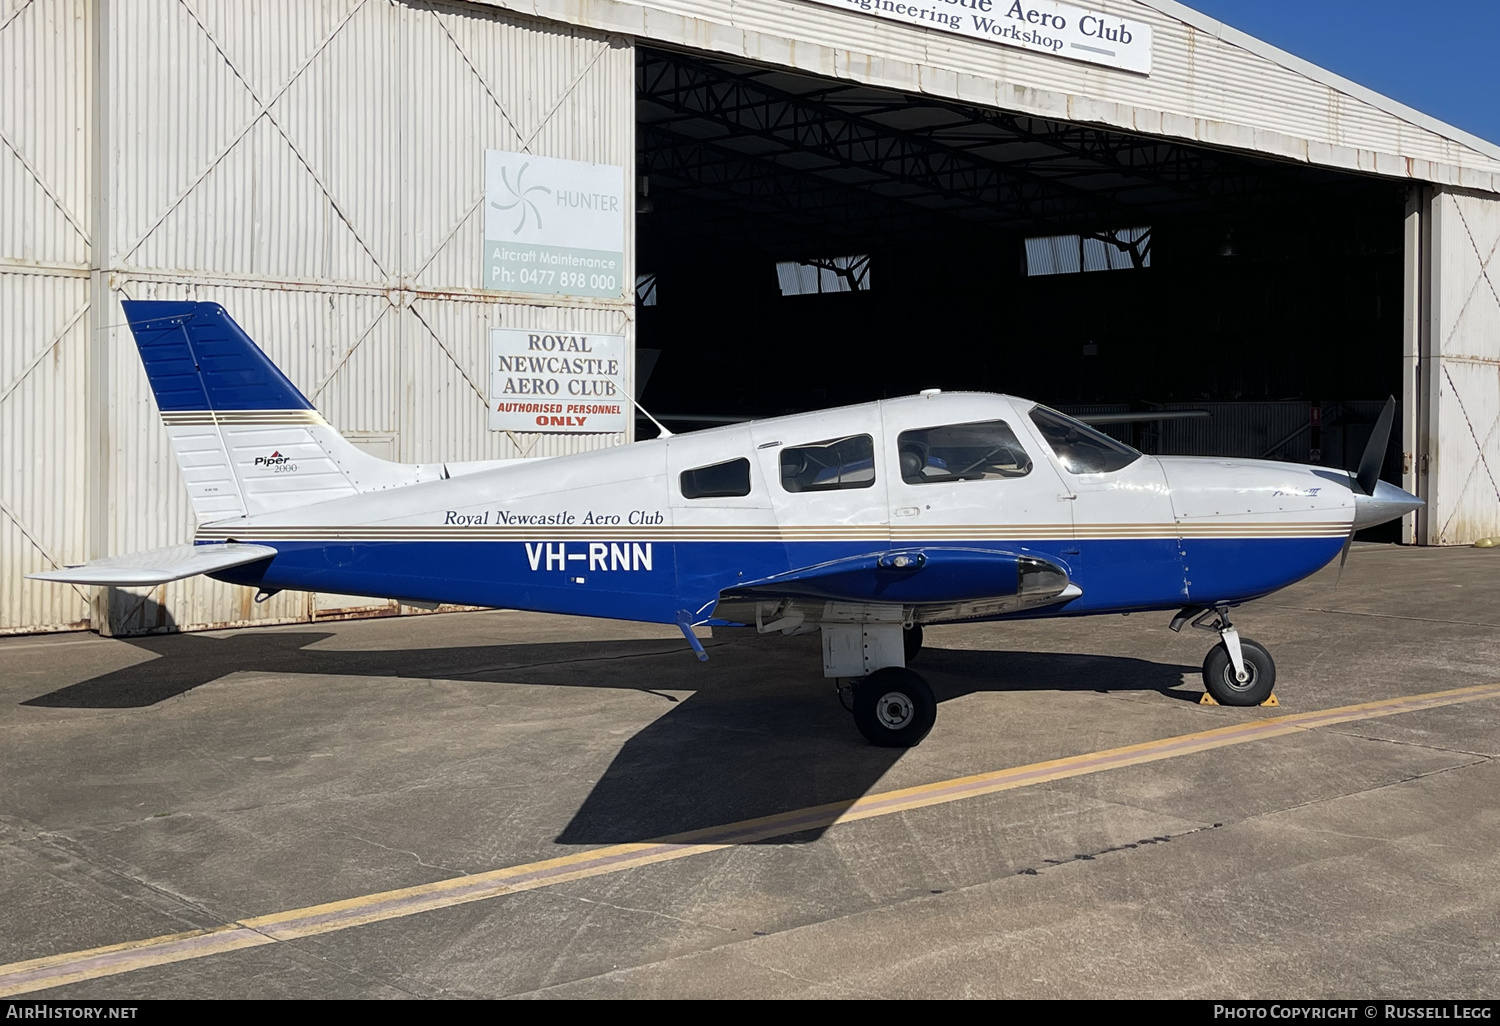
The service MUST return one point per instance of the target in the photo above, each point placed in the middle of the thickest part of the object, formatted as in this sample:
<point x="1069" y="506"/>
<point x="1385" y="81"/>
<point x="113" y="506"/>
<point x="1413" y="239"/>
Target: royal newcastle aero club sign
<point x="1059" y="29"/>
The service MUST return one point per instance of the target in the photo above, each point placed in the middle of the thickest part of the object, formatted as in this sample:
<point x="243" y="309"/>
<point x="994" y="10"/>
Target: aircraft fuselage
<point x="613" y="533"/>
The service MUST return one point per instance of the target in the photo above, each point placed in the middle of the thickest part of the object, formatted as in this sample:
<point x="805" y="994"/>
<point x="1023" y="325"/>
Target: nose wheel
<point x="1237" y="671"/>
<point x="894" y="708"/>
<point x="1227" y="686"/>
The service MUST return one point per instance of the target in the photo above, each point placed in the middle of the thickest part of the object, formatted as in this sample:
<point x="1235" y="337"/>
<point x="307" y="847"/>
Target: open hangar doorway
<point x="807" y="242"/>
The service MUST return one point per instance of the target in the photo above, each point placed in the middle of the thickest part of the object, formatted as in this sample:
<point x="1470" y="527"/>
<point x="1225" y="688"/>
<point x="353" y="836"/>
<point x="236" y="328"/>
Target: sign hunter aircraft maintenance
<point x="864" y="523"/>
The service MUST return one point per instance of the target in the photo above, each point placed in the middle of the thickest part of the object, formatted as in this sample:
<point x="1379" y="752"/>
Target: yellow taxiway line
<point x="93" y="963"/>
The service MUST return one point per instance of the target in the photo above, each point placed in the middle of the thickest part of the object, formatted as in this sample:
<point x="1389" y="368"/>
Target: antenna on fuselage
<point x="636" y="403"/>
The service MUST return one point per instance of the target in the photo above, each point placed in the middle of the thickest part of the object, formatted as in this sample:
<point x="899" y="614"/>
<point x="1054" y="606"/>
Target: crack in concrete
<point x="644" y="911"/>
<point x="843" y="989"/>
<point x="402" y="851"/>
<point x="308" y="946"/>
<point x="1387" y="840"/>
<point x="1366" y="790"/>
<point x="70" y="861"/>
<point x="1483" y="756"/>
<point x="1381" y="616"/>
<point x="736" y="946"/>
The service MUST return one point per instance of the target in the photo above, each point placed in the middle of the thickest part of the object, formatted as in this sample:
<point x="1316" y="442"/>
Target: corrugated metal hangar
<point x="1129" y="207"/>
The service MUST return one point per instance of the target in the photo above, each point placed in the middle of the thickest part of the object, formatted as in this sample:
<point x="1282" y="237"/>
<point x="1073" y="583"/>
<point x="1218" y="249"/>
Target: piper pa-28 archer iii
<point x="864" y="523"/>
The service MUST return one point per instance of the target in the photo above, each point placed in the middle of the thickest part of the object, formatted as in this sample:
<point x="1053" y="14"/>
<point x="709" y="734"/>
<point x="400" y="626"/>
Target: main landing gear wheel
<point x="894" y="708"/>
<point x="1225" y="687"/>
<point x="911" y="640"/>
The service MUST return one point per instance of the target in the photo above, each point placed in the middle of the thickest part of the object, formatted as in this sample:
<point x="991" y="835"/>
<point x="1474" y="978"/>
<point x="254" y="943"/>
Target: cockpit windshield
<point x="1080" y="448"/>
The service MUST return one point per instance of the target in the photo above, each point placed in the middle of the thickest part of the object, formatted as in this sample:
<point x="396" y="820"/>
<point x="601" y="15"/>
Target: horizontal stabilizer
<point x="158" y="566"/>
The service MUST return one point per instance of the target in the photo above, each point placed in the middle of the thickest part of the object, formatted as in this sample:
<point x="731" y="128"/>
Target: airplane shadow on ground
<point x="761" y="733"/>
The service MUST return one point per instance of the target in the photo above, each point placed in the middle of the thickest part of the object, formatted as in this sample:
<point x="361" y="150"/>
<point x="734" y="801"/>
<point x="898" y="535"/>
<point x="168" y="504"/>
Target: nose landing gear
<point x="1237" y="671"/>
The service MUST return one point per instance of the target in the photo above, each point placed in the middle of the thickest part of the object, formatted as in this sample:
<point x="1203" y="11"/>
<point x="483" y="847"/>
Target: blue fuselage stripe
<point x="654" y="581"/>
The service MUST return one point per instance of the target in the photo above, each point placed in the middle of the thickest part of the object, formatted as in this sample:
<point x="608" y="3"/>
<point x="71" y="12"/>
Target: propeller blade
<point x="1368" y="475"/>
<point x="1344" y="558"/>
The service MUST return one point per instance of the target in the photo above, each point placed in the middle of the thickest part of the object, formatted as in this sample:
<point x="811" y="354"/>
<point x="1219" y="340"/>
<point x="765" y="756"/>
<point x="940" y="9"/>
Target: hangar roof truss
<point x="791" y="163"/>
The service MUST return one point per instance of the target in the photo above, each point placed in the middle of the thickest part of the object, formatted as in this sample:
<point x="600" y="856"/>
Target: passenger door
<point x="826" y="475"/>
<point x="722" y="518"/>
<point x="963" y="474"/>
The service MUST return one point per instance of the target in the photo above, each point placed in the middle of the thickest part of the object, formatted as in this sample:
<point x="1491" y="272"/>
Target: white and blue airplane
<point x="864" y="523"/>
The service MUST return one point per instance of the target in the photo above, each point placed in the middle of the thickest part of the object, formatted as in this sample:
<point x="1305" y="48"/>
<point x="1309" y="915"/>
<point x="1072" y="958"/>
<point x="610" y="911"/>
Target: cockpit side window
<point x="1079" y="448"/>
<point x="834" y="463"/>
<point x="983" y="451"/>
<point x="719" y="479"/>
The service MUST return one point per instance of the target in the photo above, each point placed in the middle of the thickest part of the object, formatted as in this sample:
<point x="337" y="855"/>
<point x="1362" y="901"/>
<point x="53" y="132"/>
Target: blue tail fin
<point x="246" y="440"/>
<point x="198" y="359"/>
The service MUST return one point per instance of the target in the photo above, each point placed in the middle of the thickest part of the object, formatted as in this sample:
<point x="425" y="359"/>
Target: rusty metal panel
<point x="244" y="157"/>
<point x="43" y="525"/>
<point x="45" y="85"/>
<point x="1464" y="325"/>
<point x="493" y="81"/>
<point x="318" y="170"/>
<point x="496" y="81"/>
<point x="44" y="122"/>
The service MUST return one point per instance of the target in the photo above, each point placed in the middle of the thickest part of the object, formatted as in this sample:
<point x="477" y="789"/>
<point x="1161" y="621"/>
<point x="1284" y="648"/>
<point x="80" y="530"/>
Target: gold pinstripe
<point x="258" y="418"/>
<point x="773" y="533"/>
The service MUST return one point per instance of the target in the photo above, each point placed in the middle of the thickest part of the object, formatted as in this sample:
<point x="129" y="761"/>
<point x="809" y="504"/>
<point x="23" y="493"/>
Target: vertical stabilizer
<point x="246" y="439"/>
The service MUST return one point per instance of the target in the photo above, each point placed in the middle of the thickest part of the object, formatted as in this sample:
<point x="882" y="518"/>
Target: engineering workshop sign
<point x="1040" y="25"/>
<point x="553" y="227"/>
<point x="557" y="381"/>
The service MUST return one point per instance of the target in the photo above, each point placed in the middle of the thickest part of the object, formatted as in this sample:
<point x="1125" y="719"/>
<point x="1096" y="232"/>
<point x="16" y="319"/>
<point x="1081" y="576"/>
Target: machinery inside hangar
<point x="806" y="242"/>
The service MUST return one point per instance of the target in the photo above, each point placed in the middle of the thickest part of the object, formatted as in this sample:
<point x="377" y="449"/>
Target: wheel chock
<point x="1208" y="699"/>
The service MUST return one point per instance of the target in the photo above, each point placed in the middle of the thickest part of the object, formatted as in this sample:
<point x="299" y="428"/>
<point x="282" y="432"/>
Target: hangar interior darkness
<point x="1259" y="281"/>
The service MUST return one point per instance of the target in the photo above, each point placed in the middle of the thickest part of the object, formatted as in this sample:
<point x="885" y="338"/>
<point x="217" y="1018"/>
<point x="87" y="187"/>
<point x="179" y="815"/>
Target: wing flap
<point x="158" y="566"/>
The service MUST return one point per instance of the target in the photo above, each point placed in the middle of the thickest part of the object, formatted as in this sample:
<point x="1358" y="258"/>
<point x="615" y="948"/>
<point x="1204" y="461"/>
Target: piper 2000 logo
<point x="277" y="463"/>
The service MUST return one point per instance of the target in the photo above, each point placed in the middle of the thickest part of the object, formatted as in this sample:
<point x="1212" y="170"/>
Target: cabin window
<point x="847" y="462"/>
<point x="1080" y="448"/>
<point x="716" y="480"/>
<point x="982" y="451"/>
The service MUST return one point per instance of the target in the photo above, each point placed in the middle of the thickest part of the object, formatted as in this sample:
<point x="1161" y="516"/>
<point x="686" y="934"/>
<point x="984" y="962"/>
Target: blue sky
<point x="1435" y="55"/>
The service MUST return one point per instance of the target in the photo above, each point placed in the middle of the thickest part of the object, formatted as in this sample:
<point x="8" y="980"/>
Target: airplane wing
<point x="944" y="580"/>
<point x="157" y="566"/>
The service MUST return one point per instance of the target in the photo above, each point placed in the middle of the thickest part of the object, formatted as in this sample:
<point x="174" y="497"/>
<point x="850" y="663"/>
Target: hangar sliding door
<point x="45" y="228"/>
<point x="319" y="170"/>
<point x="1458" y="370"/>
